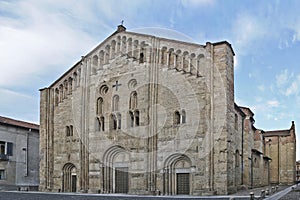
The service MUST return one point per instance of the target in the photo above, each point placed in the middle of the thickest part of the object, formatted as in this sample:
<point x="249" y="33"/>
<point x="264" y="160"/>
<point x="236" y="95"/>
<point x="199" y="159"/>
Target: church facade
<point x="141" y="114"/>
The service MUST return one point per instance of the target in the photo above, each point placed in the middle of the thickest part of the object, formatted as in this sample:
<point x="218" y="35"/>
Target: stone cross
<point x="117" y="85"/>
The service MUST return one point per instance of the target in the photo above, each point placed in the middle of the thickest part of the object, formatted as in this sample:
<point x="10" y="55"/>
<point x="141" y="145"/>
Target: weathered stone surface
<point x="145" y="110"/>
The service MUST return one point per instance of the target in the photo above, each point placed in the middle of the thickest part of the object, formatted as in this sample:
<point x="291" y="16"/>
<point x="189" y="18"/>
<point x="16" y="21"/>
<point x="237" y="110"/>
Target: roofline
<point x="26" y="125"/>
<point x="247" y="108"/>
<point x="277" y="133"/>
<point x="120" y="29"/>
<point x="224" y="42"/>
<point x="64" y="74"/>
<point x="239" y="110"/>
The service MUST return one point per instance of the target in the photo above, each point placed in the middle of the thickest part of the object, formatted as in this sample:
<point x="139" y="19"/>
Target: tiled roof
<point x="22" y="124"/>
<point x="277" y="133"/>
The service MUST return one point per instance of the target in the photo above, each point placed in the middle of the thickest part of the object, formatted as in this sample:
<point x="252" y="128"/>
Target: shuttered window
<point x="9" y="148"/>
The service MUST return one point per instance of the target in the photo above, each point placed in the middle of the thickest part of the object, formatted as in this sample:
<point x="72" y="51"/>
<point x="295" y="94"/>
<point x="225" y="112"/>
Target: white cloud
<point x="10" y="94"/>
<point x="287" y="83"/>
<point x="246" y="30"/>
<point x="258" y="99"/>
<point x="197" y="3"/>
<point x="283" y="77"/>
<point x="19" y="105"/>
<point x="261" y="88"/>
<point x="32" y="47"/>
<point x="292" y="89"/>
<point x="273" y="103"/>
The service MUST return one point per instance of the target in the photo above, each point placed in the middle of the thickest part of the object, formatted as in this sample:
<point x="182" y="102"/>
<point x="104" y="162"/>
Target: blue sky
<point x="40" y="40"/>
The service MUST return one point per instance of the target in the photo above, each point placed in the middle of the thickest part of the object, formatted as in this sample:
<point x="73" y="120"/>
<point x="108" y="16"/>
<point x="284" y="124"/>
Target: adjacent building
<point x="298" y="171"/>
<point x="19" y="155"/>
<point x="141" y="114"/>
<point x="281" y="147"/>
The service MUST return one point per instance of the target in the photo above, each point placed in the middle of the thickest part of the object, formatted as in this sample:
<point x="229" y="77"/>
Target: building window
<point x="236" y="121"/>
<point x="113" y="122"/>
<point x="2" y="147"/>
<point x="115" y="103"/>
<point x="56" y="96"/>
<point x="137" y="117"/>
<point x="131" y="119"/>
<point x="141" y="60"/>
<point x="9" y="149"/>
<point x="179" y="117"/>
<point x="99" y="106"/>
<point x="70" y="85"/>
<point x="176" y="118"/>
<point x="183" y="117"/>
<point x="2" y="174"/>
<point x="6" y="148"/>
<point x="133" y="100"/>
<point x="119" y="120"/>
<point x="102" y="123"/>
<point x="69" y="130"/>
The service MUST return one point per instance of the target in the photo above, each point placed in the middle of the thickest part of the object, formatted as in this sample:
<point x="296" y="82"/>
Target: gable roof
<point x="18" y="123"/>
<point x="120" y="29"/>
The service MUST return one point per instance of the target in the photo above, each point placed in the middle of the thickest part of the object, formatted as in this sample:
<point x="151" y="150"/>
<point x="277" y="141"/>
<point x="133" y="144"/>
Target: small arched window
<point x="95" y="61"/>
<point x="99" y="106"/>
<point x="236" y="121"/>
<point x="176" y="118"/>
<point x="171" y="58"/>
<point x="164" y="55"/>
<point x="107" y="54"/>
<point x="113" y="122"/>
<point x="70" y="82"/>
<point x="133" y="100"/>
<point x="56" y="96"/>
<point x="61" y="93"/>
<point x="101" y="57"/>
<point x="131" y="119"/>
<point x="113" y="48"/>
<point x="137" y="117"/>
<point x="75" y="78"/>
<point x="102" y="123"/>
<point x="115" y="103"/>
<point x="68" y="131"/>
<point x="119" y="121"/>
<point x="71" y="130"/>
<point x="183" y="116"/>
<point x="66" y="90"/>
<point x="141" y="59"/>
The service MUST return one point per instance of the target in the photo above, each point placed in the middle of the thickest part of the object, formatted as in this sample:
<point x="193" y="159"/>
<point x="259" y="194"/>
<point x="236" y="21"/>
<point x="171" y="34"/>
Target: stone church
<point x="141" y="114"/>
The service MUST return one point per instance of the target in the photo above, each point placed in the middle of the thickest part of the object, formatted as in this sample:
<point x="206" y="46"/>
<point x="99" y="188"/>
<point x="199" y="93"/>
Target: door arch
<point x="177" y="175"/>
<point x="69" y="179"/>
<point x="115" y="170"/>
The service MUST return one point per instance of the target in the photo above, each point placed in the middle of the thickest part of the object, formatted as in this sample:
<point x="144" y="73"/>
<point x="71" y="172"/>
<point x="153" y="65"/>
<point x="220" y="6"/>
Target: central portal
<point x="183" y="183"/>
<point x="121" y="180"/>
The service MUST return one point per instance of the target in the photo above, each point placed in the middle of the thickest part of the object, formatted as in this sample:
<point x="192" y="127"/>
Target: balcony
<point x="3" y="157"/>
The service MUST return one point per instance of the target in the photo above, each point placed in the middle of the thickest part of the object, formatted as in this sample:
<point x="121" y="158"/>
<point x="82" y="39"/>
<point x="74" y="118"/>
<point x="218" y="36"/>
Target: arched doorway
<point x="69" y="179"/>
<point x="115" y="171"/>
<point x="177" y="175"/>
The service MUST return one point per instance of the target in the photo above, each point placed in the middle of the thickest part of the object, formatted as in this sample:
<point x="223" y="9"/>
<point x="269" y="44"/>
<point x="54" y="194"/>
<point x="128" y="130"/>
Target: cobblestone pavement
<point x="257" y="191"/>
<point x="293" y="195"/>
<point x="56" y="196"/>
<point x="243" y="194"/>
